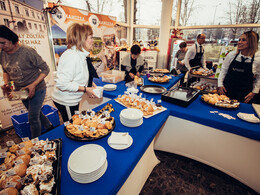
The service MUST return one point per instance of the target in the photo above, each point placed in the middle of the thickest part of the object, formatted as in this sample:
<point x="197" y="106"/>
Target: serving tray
<point x="154" y="89"/>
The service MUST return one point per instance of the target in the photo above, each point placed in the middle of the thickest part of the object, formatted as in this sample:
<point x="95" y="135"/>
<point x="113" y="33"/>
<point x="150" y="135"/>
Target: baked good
<point x="20" y="169"/>
<point x="25" y="158"/>
<point x="47" y="185"/>
<point x="9" y="191"/>
<point x="14" y="148"/>
<point x="14" y="179"/>
<point x="29" y="190"/>
<point x="9" y="160"/>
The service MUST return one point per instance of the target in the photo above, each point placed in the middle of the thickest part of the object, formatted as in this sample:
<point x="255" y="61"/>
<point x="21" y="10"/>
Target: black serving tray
<point x="182" y="96"/>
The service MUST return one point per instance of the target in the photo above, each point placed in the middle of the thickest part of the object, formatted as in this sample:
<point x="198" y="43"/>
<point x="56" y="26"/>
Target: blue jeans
<point x="35" y="116"/>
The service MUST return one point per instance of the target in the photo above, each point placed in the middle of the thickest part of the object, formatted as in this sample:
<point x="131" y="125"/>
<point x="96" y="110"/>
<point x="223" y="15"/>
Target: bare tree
<point x="254" y="12"/>
<point x="188" y="8"/>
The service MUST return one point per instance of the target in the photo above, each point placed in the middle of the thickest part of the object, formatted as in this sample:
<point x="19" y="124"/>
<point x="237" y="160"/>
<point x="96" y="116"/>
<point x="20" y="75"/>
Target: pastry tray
<point x="56" y="167"/>
<point x="181" y="96"/>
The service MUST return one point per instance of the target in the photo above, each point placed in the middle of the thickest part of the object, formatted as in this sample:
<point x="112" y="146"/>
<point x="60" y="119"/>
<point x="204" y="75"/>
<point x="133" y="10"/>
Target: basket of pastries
<point x="220" y="100"/>
<point x="204" y="86"/>
<point x="201" y="72"/>
<point x="158" y="79"/>
<point x="161" y="70"/>
<point x="90" y="125"/>
<point x="31" y="167"/>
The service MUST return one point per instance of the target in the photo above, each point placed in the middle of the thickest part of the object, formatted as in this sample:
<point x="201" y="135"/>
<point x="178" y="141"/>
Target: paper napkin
<point x="119" y="138"/>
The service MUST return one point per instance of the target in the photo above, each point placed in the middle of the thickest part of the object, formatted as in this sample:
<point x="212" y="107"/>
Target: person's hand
<point x="138" y="74"/>
<point x="90" y="93"/>
<point x="132" y="75"/>
<point x="249" y="97"/>
<point x="222" y="90"/>
<point x="31" y="90"/>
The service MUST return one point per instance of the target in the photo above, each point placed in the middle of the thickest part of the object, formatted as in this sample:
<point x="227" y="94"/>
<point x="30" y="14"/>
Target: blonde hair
<point x="252" y="41"/>
<point x="77" y="35"/>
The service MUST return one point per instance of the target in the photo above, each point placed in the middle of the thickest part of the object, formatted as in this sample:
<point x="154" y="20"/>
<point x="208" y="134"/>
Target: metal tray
<point x="182" y="96"/>
<point x="154" y="89"/>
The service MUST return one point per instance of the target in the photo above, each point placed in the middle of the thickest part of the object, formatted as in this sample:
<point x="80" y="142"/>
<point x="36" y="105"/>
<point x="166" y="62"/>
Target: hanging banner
<point x="104" y="53"/>
<point x="29" y="24"/>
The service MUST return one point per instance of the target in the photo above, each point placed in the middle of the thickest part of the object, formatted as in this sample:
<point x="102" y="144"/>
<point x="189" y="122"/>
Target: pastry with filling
<point x="30" y="190"/>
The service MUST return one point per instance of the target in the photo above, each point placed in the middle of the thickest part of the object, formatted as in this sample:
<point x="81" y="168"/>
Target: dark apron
<point x="197" y="59"/>
<point x="239" y="79"/>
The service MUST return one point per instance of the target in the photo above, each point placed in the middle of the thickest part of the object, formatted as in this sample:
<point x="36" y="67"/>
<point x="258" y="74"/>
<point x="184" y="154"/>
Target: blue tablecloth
<point x="199" y="112"/>
<point x="120" y="162"/>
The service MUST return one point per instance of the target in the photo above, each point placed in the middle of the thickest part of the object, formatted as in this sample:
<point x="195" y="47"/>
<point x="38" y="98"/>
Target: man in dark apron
<point x="239" y="80"/>
<point x="197" y="60"/>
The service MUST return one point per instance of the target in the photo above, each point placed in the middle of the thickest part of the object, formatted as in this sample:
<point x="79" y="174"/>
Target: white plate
<point x="110" y="87"/>
<point x="131" y="122"/>
<point x="132" y="125"/>
<point x="244" y="117"/>
<point x="92" y="179"/>
<point x="87" y="158"/>
<point x="131" y="114"/>
<point x="120" y="147"/>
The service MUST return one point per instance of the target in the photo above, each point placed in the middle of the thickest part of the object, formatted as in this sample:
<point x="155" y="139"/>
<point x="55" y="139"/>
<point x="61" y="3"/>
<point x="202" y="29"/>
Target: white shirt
<point x="191" y="53"/>
<point x="255" y="68"/>
<point x="72" y="72"/>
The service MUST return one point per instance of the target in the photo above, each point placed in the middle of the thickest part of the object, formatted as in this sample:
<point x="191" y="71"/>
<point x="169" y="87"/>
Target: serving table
<point x="125" y="173"/>
<point x="231" y="146"/>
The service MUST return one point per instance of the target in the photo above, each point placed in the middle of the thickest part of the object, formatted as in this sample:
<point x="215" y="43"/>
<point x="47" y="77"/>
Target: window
<point x="148" y="12"/>
<point x="221" y="12"/>
<point x="40" y="27"/>
<point x="33" y="14"/>
<point x="26" y="12"/>
<point x="2" y="5"/>
<point x="35" y="26"/>
<point x="216" y="39"/>
<point x="30" y="25"/>
<point x="17" y="9"/>
<point x="145" y="35"/>
<point x="38" y="16"/>
<point x="6" y="22"/>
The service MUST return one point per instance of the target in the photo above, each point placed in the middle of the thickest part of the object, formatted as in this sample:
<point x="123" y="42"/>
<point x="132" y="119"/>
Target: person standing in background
<point x="75" y="71"/>
<point x="239" y="77"/>
<point x="25" y="67"/>
<point x="195" y="54"/>
<point x="133" y="63"/>
<point x="180" y="55"/>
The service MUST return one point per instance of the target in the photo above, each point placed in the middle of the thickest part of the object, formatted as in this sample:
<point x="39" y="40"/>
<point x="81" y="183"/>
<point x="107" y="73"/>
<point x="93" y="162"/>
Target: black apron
<point x="239" y="79"/>
<point x="92" y="72"/>
<point x="197" y="59"/>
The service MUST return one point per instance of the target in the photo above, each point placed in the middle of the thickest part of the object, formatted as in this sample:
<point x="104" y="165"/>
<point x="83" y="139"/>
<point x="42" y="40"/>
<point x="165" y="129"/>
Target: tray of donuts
<point x="31" y="167"/>
<point x="90" y="125"/>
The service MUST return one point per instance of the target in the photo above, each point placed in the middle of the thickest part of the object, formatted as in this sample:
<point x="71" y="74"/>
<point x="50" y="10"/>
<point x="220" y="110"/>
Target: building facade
<point x="21" y="17"/>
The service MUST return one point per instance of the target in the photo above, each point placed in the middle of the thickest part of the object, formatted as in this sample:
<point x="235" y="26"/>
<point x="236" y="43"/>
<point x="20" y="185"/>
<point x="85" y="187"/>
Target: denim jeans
<point x="35" y="116"/>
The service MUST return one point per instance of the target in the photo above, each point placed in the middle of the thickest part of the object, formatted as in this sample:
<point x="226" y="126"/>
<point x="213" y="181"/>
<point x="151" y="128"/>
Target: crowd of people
<point x="239" y="77"/>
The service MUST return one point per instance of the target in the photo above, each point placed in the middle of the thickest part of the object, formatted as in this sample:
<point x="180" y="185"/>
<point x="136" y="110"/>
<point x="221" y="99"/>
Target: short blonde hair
<point x="77" y="35"/>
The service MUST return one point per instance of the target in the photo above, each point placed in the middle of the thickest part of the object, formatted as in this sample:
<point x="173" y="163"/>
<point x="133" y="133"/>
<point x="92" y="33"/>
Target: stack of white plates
<point x="110" y="87"/>
<point x="87" y="163"/>
<point x="131" y="117"/>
